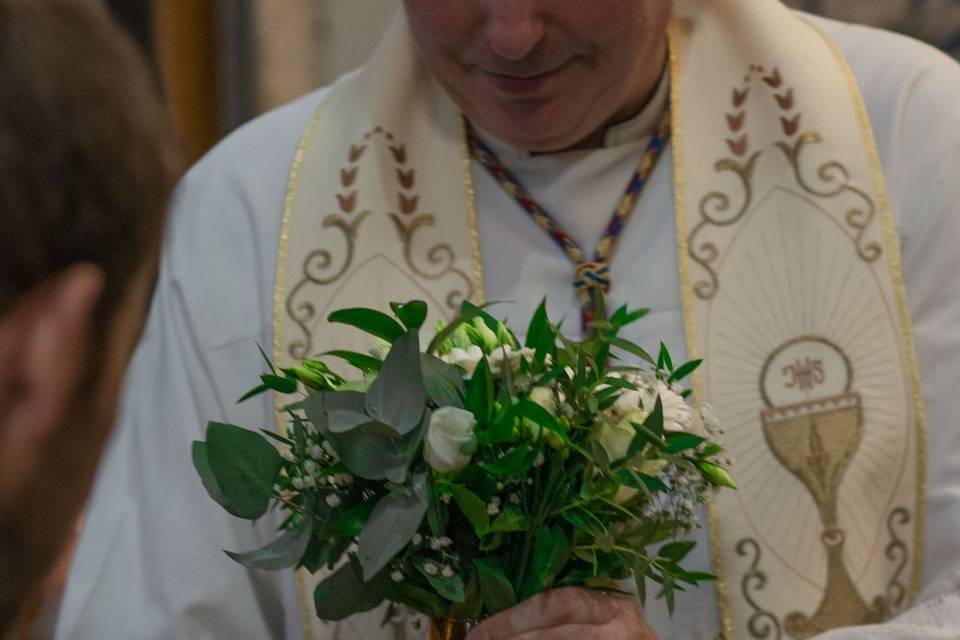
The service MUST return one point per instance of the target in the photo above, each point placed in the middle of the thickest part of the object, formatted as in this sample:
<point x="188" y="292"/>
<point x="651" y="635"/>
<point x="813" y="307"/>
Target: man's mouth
<point x="524" y="83"/>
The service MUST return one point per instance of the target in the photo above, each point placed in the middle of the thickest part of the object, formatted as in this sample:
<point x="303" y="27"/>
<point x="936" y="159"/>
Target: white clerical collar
<point x="640" y="127"/>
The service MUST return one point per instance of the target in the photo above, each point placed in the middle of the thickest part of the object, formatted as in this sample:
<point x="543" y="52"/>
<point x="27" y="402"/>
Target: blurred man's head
<point x="86" y="166"/>
<point x="543" y="74"/>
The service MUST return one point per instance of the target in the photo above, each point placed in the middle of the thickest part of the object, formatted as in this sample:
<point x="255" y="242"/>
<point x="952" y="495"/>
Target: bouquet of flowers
<point x="462" y="478"/>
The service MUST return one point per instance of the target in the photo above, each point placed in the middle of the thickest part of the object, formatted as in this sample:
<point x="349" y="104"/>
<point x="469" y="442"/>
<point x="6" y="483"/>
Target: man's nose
<point x="514" y="27"/>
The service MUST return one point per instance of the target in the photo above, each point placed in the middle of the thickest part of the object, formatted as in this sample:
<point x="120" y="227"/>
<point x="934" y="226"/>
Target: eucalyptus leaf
<point x="443" y="382"/>
<point x="391" y="525"/>
<point x="397" y="397"/>
<point x="202" y="465"/>
<point x="345" y="593"/>
<point x="343" y="420"/>
<point x="283" y="553"/>
<point x="375" y="451"/>
<point x="245" y="466"/>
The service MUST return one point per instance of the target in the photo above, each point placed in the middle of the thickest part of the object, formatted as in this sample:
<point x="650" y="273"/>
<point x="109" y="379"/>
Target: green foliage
<point x="498" y="593"/>
<point x="472" y="507"/>
<point x="244" y="466"/>
<point x="392" y="523"/>
<point x="283" y="553"/>
<point x="540" y="503"/>
<point x="371" y="321"/>
<point x="345" y="593"/>
<point x="443" y="383"/>
<point x="397" y="397"/>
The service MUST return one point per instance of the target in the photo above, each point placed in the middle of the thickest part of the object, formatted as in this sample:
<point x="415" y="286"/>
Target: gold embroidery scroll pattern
<point x="762" y="624"/>
<point x="834" y="177"/>
<point x="319" y="267"/>
<point x="716" y="207"/>
<point x="898" y="553"/>
<point x="441" y="258"/>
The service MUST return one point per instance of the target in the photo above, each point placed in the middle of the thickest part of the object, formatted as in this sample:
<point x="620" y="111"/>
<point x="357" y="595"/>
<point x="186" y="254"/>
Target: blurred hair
<point x="87" y="156"/>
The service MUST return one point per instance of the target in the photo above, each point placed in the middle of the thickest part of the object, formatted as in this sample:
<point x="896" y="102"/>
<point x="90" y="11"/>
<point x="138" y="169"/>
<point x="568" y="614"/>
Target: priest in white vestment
<point x="885" y="538"/>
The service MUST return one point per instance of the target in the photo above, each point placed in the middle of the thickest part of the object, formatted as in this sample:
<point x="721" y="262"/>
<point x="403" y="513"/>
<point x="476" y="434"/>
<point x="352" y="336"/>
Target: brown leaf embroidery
<point x="347" y="202"/>
<point x="356" y="152"/>
<point x="406" y="178"/>
<point x="740" y="96"/>
<point x="786" y="100"/>
<point x="735" y="122"/>
<point x="399" y="153"/>
<point x="790" y="126"/>
<point x="739" y="146"/>
<point x="347" y="178"/>
<point x="774" y="80"/>
<point x="408" y="204"/>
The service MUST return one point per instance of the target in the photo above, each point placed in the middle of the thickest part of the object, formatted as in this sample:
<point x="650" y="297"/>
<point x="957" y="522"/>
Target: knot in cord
<point x="589" y="276"/>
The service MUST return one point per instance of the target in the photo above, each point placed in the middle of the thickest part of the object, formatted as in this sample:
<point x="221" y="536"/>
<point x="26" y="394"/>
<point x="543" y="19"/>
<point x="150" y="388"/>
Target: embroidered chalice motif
<point x="813" y="423"/>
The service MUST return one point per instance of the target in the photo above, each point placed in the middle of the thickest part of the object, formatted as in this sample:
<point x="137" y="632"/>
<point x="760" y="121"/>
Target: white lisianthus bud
<point x="297" y="483"/>
<point x="544" y="397"/>
<point x="467" y="359"/>
<point x="333" y="500"/>
<point x="450" y="440"/>
<point x="430" y="569"/>
<point x="396" y="576"/>
<point x="505" y="354"/>
<point x="447" y="571"/>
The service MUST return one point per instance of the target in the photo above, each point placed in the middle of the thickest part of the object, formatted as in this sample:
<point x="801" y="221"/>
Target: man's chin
<point x="536" y="137"/>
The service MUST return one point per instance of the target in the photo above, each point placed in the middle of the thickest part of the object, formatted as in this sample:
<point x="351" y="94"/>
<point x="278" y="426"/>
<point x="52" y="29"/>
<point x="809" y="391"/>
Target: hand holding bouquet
<point x="463" y="478"/>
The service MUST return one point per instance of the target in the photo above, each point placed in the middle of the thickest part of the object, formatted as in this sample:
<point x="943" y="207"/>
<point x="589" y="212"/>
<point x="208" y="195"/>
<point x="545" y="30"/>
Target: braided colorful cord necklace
<point x="590" y="276"/>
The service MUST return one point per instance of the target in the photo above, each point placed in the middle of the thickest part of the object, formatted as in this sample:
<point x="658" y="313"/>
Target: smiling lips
<point x="520" y="85"/>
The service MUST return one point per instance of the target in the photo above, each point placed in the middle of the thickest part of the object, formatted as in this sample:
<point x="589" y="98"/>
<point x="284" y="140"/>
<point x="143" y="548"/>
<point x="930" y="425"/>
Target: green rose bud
<point x="482" y="336"/>
<point x="504" y="337"/>
<point x="716" y="475"/>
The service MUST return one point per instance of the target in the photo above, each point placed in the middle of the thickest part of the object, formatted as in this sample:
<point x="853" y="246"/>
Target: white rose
<point x="615" y="439"/>
<point x="450" y="440"/>
<point x="466" y="359"/>
<point x="677" y="414"/>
